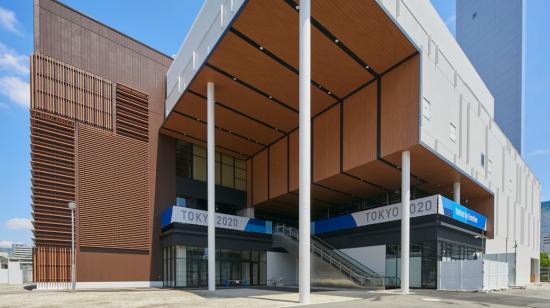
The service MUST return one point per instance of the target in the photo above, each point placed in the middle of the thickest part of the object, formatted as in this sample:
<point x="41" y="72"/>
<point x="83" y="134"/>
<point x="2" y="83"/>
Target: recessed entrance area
<point x="187" y="267"/>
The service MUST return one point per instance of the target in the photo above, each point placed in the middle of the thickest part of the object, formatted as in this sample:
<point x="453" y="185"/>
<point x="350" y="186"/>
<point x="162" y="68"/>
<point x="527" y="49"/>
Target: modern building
<point x="492" y="34"/>
<point x="16" y="265"/>
<point x="545" y="226"/>
<point x="151" y="146"/>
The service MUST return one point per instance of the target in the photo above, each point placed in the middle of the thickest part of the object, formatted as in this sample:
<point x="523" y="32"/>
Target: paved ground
<point x="531" y="297"/>
<point x="11" y="296"/>
<point x="255" y="298"/>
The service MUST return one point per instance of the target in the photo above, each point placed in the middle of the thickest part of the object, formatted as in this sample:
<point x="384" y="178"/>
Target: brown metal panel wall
<point x="82" y="42"/>
<point x="400" y="107"/>
<point x="101" y="264"/>
<point x="52" y="171"/>
<point x="113" y="190"/>
<point x="70" y="92"/>
<point x="326" y="144"/>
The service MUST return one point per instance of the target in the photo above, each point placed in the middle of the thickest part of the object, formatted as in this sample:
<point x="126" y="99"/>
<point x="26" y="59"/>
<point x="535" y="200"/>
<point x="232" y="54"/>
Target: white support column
<point x="456" y="192"/>
<point x="305" y="150"/>
<point x="211" y="180"/>
<point x="405" y="219"/>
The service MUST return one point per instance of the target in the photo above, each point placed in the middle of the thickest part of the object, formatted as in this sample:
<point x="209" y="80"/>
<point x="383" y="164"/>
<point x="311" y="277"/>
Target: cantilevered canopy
<point x="255" y="69"/>
<point x="365" y="93"/>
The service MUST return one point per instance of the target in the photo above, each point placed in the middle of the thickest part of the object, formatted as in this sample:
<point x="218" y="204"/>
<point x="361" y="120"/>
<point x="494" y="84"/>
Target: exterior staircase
<point x="329" y="266"/>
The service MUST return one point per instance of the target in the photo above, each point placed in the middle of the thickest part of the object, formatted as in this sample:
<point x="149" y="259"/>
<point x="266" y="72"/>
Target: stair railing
<point x="356" y="271"/>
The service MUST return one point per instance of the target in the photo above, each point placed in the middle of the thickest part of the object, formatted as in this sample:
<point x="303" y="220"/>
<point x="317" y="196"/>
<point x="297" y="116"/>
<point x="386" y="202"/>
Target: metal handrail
<point x="337" y="259"/>
<point x="346" y="257"/>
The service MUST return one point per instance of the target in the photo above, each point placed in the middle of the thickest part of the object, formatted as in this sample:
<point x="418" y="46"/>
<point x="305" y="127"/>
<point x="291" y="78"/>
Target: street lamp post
<point x="72" y="207"/>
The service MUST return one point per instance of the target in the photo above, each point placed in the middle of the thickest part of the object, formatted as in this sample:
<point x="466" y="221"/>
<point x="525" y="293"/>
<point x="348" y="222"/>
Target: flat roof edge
<point x="213" y="20"/>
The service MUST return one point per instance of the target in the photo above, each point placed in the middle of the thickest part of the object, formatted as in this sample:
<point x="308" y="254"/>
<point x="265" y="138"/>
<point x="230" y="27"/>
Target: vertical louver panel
<point x="132" y="113"/>
<point x="51" y="264"/>
<point x="52" y="165"/>
<point x="67" y="91"/>
<point x="113" y="190"/>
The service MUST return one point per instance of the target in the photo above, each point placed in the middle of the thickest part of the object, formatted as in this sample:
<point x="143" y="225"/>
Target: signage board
<point x="186" y="215"/>
<point x="461" y="213"/>
<point x="419" y="207"/>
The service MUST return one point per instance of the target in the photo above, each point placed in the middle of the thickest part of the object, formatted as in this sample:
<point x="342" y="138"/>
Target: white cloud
<point x="5" y="244"/>
<point x="16" y="89"/>
<point x="450" y="21"/>
<point x="8" y="21"/>
<point x="19" y="224"/>
<point x="13" y="62"/>
<point x="539" y="152"/>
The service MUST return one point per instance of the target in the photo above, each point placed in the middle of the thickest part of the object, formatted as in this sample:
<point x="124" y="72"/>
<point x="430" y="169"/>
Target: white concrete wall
<point x="4" y="276"/>
<point x="373" y="257"/>
<point x="453" y="94"/>
<point x="15" y="275"/>
<point x="282" y="267"/>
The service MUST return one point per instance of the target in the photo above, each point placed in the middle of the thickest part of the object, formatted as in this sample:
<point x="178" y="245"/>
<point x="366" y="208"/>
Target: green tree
<point x="544" y="260"/>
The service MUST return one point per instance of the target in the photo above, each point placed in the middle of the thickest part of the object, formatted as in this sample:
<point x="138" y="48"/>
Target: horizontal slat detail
<point x="113" y="190"/>
<point x="52" y="170"/>
<point x="132" y="113"/>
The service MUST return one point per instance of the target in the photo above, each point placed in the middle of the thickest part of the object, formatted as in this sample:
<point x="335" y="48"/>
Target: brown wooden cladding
<point x="485" y="206"/>
<point x="70" y="92"/>
<point x="351" y="146"/>
<point x="51" y="264"/>
<point x="132" y="113"/>
<point x="326" y="144"/>
<point x="278" y="168"/>
<point x="359" y="131"/>
<point x="113" y="190"/>
<point x="293" y="160"/>
<point x="260" y="177"/>
<point x="52" y="167"/>
<point x="400" y="107"/>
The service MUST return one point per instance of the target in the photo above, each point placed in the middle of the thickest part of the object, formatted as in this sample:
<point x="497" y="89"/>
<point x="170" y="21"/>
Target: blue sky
<point x="163" y="26"/>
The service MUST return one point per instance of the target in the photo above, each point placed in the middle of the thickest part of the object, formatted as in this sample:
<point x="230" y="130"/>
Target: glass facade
<point x="422" y="265"/>
<point x="423" y="261"/>
<point x="191" y="163"/>
<point x="188" y="267"/>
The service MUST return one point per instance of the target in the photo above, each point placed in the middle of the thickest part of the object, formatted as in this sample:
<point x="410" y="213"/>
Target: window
<point x="191" y="163"/>
<point x="489" y="166"/>
<point x="482" y="160"/>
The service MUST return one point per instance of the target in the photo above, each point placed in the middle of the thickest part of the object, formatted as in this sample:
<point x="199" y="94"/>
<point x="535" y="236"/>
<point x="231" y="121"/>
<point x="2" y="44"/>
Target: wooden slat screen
<point x="132" y="113"/>
<point x="51" y="264"/>
<point x="113" y="190"/>
<point x="67" y="91"/>
<point x="52" y="168"/>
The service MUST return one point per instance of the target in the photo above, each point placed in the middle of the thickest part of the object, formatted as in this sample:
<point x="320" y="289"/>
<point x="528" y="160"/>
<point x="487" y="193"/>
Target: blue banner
<point x="432" y="205"/>
<point x="463" y="214"/>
